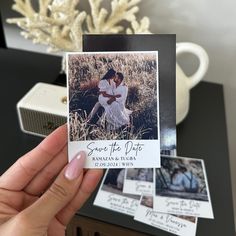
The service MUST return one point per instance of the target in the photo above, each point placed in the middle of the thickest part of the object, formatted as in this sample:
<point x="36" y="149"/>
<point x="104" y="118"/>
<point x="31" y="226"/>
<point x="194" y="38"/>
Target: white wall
<point x="211" y="24"/>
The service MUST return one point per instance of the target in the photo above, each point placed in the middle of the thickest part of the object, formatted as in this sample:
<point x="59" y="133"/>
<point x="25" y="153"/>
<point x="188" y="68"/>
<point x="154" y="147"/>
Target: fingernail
<point x="75" y="167"/>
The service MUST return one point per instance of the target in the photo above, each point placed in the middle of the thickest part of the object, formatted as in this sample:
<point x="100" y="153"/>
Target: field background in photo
<point x="140" y="75"/>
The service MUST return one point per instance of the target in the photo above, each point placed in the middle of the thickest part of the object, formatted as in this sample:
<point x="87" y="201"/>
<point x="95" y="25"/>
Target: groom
<point x="120" y="89"/>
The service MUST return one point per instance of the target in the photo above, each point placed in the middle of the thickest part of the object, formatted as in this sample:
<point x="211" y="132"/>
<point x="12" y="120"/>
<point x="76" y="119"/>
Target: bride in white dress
<point x="106" y="87"/>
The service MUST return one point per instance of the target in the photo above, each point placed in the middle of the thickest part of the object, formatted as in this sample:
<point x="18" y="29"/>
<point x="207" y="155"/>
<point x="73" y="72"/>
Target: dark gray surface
<point x="19" y="72"/>
<point x="201" y="135"/>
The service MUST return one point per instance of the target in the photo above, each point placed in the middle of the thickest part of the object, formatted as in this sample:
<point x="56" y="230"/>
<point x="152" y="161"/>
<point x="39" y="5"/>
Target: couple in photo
<point x="183" y="180"/>
<point x="112" y="97"/>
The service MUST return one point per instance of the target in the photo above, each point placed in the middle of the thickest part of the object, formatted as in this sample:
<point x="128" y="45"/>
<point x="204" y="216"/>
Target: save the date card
<point x="111" y="195"/>
<point x="114" y="108"/>
<point x="175" y="224"/>
<point x="182" y="188"/>
<point x="139" y="181"/>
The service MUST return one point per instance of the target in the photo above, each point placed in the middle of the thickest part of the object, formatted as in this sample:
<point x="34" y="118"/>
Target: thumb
<point x="60" y="193"/>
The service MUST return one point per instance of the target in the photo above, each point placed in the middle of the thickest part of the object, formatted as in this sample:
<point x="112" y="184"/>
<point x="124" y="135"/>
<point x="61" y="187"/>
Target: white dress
<point x="116" y="114"/>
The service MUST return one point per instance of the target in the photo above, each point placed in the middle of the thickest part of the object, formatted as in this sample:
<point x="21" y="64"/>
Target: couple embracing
<point x="112" y="97"/>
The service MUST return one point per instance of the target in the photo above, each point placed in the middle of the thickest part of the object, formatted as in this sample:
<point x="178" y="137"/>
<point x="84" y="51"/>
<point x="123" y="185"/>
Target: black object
<point x="202" y="134"/>
<point x="60" y="80"/>
<point x="2" y="35"/>
<point x="166" y="47"/>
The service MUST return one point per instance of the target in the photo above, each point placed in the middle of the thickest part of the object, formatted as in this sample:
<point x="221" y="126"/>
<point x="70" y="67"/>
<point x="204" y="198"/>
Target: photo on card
<point x="178" y="225"/>
<point x="181" y="187"/>
<point x="147" y="201"/>
<point x="111" y="196"/>
<point x="139" y="181"/>
<point x="114" y="108"/>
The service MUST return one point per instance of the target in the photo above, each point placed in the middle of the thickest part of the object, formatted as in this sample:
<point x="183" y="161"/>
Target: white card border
<point x="150" y="156"/>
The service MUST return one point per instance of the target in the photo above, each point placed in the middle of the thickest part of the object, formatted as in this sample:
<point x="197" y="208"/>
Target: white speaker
<point x="43" y="109"/>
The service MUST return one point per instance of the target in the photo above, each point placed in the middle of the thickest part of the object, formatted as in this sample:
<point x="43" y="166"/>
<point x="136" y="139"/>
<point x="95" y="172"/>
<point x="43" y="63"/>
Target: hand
<point x="111" y="100"/>
<point x="32" y="202"/>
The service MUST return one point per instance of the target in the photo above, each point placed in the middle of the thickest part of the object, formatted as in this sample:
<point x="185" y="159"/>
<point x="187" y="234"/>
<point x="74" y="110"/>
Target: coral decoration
<point x="59" y="24"/>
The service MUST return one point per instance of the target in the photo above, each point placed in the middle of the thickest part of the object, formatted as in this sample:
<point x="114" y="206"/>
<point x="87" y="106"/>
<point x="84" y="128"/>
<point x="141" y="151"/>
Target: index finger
<point x="26" y="167"/>
<point x="90" y="181"/>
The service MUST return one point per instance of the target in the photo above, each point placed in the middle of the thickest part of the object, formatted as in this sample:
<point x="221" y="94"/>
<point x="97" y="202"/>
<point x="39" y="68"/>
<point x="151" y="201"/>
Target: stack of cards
<point x="180" y="196"/>
<point x="170" y="198"/>
<point x="122" y="113"/>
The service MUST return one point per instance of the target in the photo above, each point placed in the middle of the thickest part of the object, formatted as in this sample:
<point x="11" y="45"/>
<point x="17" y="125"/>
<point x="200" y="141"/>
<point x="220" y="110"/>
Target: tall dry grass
<point x="80" y="130"/>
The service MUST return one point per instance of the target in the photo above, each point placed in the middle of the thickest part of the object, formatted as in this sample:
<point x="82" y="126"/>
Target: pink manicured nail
<point x="75" y="167"/>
